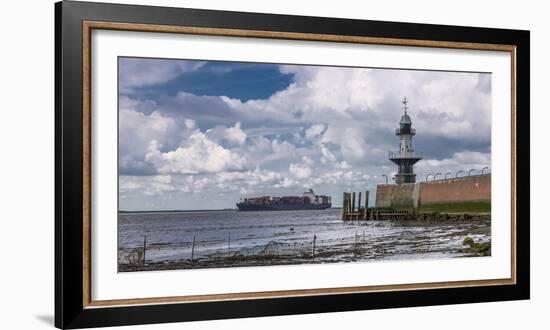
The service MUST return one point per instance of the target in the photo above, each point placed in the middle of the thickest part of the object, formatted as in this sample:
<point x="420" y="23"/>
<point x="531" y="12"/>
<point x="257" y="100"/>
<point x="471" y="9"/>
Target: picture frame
<point x="74" y="304"/>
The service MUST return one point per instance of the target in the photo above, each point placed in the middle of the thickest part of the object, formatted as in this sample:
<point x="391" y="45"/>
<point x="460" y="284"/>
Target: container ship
<point x="308" y="201"/>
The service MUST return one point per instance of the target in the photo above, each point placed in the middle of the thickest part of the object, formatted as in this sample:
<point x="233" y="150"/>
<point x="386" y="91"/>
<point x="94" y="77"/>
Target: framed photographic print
<point x="218" y="164"/>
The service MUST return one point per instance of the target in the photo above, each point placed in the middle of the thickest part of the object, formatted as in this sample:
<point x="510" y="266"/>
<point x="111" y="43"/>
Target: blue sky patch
<point x="243" y="81"/>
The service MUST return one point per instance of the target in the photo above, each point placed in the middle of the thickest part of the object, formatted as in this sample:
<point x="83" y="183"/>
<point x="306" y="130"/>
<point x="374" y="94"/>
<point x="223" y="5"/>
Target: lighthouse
<point x="406" y="157"/>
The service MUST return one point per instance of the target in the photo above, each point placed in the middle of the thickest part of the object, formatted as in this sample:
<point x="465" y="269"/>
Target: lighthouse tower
<point x="406" y="157"/>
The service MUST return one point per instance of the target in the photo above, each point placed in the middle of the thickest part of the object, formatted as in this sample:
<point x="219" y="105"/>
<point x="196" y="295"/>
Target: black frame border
<point x="69" y="307"/>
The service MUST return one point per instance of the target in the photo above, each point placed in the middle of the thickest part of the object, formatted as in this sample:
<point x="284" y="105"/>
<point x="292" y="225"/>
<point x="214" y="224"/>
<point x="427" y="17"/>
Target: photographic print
<point x="233" y="164"/>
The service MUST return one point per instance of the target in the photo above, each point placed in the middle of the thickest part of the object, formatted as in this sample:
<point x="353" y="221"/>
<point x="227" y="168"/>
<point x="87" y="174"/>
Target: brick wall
<point x="466" y="189"/>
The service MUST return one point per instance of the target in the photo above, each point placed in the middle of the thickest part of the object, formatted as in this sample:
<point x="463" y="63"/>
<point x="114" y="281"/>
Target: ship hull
<point x="282" y="207"/>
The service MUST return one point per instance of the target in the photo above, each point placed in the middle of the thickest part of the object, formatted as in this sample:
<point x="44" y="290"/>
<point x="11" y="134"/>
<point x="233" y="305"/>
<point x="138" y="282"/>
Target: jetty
<point x="355" y="211"/>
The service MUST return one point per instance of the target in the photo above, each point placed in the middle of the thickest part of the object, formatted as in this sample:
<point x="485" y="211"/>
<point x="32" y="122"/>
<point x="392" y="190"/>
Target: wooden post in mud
<point x="348" y="206"/>
<point x="228" y="243"/>
<point x="358" y="206"/>
<point x="349" y="210"/>
<point x="366" y="204"/>
<point x="345" y="205"/>
<point x="144" y="247"/>
<point x="366" y="210"/>
<point x="355" y="244"/>
<point x="429" y="234"/>
<point x="313" y="251"/>
<point x="193" y="248"/>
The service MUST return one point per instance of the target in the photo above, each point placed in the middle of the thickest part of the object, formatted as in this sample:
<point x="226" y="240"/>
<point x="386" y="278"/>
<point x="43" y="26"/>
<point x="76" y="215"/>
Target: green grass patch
<point x="458" y="207"/>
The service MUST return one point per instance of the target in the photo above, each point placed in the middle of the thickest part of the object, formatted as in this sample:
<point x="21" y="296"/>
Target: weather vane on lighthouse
<point x="406" y="157"/>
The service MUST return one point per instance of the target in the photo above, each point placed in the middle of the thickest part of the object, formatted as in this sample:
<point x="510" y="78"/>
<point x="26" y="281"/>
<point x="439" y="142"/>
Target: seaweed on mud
<point x="474" y="249"/>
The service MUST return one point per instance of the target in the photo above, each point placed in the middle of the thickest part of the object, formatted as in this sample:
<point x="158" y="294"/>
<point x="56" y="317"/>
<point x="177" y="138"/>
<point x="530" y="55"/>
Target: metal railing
<point x="411" y="131"/>
<point x="404" y="154"/>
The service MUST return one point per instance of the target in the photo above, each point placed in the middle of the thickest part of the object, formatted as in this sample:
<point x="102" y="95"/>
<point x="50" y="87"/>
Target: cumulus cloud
<point x="286" y="183"/>
<point x="327" y="155"/>
<point x="136" y="131"/>
<point x="281" y="150"/>
<point x="154" y="185"/>
<point x="343" y="165"/>
<point x="314" y="131"/>
<point x="301" y="170"/>
<point x="197" y="155"/>
<point x="233" y="135"/>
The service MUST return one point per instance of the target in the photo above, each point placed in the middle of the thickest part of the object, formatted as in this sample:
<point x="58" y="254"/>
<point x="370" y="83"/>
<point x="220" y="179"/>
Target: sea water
<point x="168" y="236"/>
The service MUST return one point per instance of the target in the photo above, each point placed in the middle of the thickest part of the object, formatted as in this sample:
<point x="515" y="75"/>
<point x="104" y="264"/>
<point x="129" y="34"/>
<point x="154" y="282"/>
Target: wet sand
<point x="417" y="238"/>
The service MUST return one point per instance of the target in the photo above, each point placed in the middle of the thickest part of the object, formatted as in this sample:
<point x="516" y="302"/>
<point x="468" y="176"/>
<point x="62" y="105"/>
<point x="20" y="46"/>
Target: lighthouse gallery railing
<point x="404" y="154"/>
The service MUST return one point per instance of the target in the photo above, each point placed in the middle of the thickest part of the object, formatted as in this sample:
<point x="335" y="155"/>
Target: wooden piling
<point x="144" y="247"/>
<point x="352" y="204"/>
<point x="348" y="205"/>
<point x="364" y="213"/>
<point x="353" y="211"/>
<point x="313" y="251"/>
<point x="228" y="243"/>
<point x="349" y="210"/>
<point x="355" y="244"/>
<point x="429" y="234"/>
<point x="343" y="205"/>
<point x="358" y="206"/>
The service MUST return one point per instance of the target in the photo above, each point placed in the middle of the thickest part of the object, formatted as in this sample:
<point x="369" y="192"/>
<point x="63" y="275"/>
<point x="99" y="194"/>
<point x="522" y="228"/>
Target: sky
<point x="204" y="134"/>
